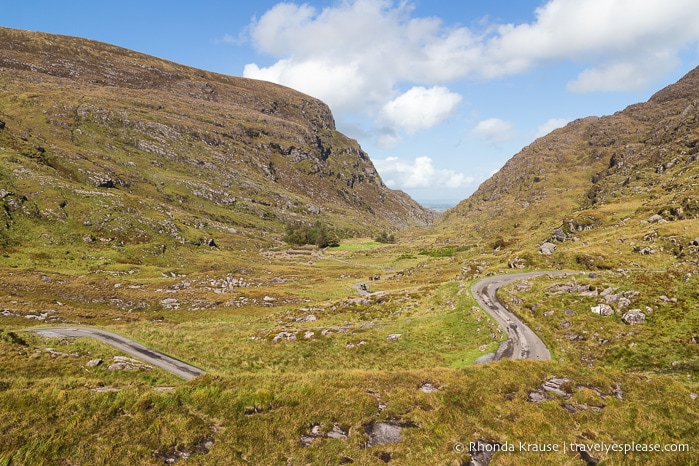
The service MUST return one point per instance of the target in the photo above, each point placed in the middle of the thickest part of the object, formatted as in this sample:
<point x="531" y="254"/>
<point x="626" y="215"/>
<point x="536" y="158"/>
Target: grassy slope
<point x="260" y="396"/>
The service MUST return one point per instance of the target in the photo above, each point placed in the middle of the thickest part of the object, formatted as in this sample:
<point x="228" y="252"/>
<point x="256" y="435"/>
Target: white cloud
<point x="550" y="125"/>
<point x="380" y="44"/>
<point x="420" y="108"/>
<point x="358" y="55"/>
<point x="419" y="173"/>
<point x="494" y="130"/>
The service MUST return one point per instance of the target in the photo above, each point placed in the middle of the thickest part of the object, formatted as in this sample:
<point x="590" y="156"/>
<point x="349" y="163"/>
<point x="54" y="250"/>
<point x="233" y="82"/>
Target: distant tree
<point x="299" y="234"/>
<point x="385" y="238"/>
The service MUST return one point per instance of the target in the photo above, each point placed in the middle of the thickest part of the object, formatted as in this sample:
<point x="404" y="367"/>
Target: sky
<point x="440" y="94"/>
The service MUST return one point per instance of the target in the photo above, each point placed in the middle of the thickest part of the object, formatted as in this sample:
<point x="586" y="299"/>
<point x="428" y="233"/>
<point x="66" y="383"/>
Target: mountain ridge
<point x="191" y="148"/>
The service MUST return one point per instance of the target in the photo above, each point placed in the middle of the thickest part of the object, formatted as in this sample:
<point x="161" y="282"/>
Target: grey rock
<point x="547" y="248"/>
<point x="602" y="309"/>
<point x="337" y="433"/>
<point x="94" y="363"/>
<point x="394" y="337"/>
<point x="284" y="336"/>
<point x="634" y="317"/>
<point x="383" y="433"/>
<point x="482" y="452"/>
<point x="558" y="235"/>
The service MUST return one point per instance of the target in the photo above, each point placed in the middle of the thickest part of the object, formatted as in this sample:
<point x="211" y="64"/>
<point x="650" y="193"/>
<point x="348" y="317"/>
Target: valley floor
<point x="302" y="369"/>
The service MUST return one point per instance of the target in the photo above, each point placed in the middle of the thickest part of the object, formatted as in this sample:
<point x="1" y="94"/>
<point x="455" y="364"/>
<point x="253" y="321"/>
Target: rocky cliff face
<point x="106" y="142"/>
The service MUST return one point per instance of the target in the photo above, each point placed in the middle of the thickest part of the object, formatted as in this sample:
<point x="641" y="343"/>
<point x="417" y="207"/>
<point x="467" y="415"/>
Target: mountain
<point x="102" y="143"/>
<point x="622" y="176"/>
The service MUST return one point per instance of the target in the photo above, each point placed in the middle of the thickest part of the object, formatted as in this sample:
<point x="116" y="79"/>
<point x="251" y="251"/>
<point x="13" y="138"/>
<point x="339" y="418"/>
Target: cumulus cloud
<point x="384" y="45"/>
<point x="420" y="108"/>
<point x="419" y="173"/>
<point x="494" y="130"/>
<point x="550" y="125"/>
<point x="359" y="56"/>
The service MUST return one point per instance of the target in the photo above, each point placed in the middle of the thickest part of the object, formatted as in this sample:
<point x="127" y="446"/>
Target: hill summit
<point x="101" y="142"/>
<point x="614" y="179"/>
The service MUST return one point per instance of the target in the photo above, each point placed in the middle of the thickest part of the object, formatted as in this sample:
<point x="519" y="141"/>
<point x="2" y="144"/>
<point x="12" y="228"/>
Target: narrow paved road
<point x="522" y="342"/>
<point x="168" y="363"/>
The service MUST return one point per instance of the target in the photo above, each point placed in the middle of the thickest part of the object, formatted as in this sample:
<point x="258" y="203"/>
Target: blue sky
<point x="439" y="94"/>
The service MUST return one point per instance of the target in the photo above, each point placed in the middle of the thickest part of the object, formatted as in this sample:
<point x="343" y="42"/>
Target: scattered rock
<point x="656" y="219"/>
<point x="565" y="325"/>
<point x="428" y="387"/>
<point x="547" y="248"/>
<point x="516" y="263"/>
<point x="203" y="447"/>
<point x="694" y="242"/>
<point x="284" y="336"/>
<point x="313" y="433"/>
<point x="634" y="317"/>
<point x="122" y="363"/>
<point x="337" y="433"/>
<point x="693" y="396"/>
<point x="308" y="318"/>
<point x="105" y="390"/>
<point x="383" y="433"/>
<point x="309" y="334"/>
<point x="559" y="235"/>
<point x="553" y="385"/>
<point x="481" y="452"/>
<point x="394" y="337"/>
<point x="94" y="363"/>
<point x="354" y="345"/>
<point x="170" y="303"/>
<point x="602" y="309"/>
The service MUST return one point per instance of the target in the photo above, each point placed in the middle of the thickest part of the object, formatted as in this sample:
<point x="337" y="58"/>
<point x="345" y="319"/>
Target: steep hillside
<point x="98" y="143"/>
<point x="628" y="179"/>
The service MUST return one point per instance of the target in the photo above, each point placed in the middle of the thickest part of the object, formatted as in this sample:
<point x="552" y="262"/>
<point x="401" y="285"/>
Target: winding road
<point x="522" y="342"/>
<point x="168" y="363"/>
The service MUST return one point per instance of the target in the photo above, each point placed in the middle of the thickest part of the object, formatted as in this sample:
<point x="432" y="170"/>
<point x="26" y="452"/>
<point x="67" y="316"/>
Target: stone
<point x="309" y="334"/>
<point x="94" y="363"/>
<point x="656" y="219"/>
<point x="394" y="337"/>
<point x="558" y="235"/>
<point x="481" y="452"/>
<point x="122" y="363"/>
<point x="547" y="248"/>
<point x="694" y="242"/>
<point x="383" y="433"/>
<point x="428" y="387"/>
<point x="337" y="433"/>
<point x="634" y="317"/>
<point x="284" y="336"/>
<point x="602" y="309"/>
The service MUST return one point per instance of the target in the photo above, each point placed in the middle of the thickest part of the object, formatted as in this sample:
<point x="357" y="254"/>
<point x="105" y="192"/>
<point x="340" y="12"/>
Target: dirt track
<point x="168" y="363"/>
